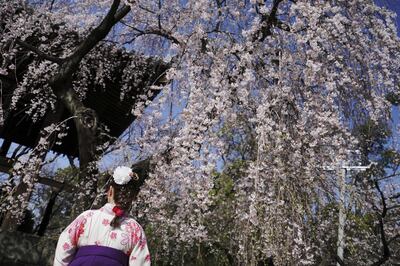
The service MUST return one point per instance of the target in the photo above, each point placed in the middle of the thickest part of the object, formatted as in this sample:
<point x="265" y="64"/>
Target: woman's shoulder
<point x="88" y="213"/>
<point x="83" y="216"/>
<point x="132" y="224"/>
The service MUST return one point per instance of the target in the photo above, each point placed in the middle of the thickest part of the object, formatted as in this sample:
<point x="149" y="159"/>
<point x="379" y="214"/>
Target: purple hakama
<point x="99" y="256"/>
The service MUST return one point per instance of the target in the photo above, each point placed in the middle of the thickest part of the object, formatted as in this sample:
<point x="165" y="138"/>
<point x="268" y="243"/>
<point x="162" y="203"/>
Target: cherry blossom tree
<point x="274" y="88"/>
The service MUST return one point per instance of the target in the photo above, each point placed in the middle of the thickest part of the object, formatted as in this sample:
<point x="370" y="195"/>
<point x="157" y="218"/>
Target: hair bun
<point x="134" y="176"/>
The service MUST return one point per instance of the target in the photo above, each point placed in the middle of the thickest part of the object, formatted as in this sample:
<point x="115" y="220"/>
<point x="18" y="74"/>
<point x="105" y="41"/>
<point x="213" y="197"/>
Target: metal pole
<point x="342" y="169"/>
<point x="342" y="213"/>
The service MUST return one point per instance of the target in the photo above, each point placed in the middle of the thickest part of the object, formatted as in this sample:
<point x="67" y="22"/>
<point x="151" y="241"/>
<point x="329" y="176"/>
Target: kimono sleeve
<point x="67" y="242"/>
<point x="140" y="255"/>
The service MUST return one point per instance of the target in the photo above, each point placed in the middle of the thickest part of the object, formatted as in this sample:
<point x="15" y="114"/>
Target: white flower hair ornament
<point x="123" y="174"/>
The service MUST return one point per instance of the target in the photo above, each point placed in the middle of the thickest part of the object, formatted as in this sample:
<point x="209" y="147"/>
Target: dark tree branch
<point x="146" y="9"/>
<point x="158" y="32"/>
<point x="95" y="36"/>
<point x="48" y="213"/>
<point x="56" y="184"/>
<point x="51" y="5"/>
<point x="71" y="162"/>
<point x="389" y="176"/>
<point x="268" y="21"/>
<point x="393" y="207"/>
<point x="395" y="196"/>
<point x="122" y="13"/>
<point x="159" y="15"/>
<point x="385" y="245"/>
<point x="39" y="52"/>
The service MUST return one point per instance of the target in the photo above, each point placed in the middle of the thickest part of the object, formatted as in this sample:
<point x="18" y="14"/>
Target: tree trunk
<point x="47" y="213"/>
<point x="86" y="123"/>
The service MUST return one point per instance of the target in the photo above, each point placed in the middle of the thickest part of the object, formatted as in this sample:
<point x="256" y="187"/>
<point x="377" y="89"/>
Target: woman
<point x="106" y="236"/>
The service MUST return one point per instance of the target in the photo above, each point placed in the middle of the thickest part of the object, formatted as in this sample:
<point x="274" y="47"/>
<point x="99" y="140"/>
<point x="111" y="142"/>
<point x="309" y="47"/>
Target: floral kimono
<point x="90" y="240"/>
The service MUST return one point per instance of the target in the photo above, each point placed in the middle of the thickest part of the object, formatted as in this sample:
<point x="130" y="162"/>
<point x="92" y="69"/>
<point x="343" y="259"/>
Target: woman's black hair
<point x="124" y="195"/>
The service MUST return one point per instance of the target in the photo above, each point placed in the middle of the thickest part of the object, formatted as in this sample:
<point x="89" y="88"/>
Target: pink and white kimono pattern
<point x="92" y="227"/>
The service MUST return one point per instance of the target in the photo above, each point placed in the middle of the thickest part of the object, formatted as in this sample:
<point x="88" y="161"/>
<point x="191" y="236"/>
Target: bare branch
<point x="146" y="9"/>
<point x="393" y="207"/>
<point x="122" y="13"/>
<point x="389" y="176"/>
<point x="51" y="5"/>
<point x="159" y="32"/>
<point x="395" y="196"/>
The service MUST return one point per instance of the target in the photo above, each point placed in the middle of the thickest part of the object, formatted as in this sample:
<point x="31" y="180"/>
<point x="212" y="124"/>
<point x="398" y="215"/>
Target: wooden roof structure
<point x="113" y="113"/>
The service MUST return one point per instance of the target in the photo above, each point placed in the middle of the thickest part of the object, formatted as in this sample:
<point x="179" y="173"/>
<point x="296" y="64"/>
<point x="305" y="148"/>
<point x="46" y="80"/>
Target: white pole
<point x="342" y="213"/>
<point x="342" y="203"/>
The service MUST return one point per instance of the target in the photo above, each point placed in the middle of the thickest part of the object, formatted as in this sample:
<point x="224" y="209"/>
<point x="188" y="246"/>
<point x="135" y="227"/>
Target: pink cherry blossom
<point x="261" y="95"/>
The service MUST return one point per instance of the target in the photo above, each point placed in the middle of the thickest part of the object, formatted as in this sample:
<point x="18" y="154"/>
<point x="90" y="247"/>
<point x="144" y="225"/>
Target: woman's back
<point x="92" y="230"/>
